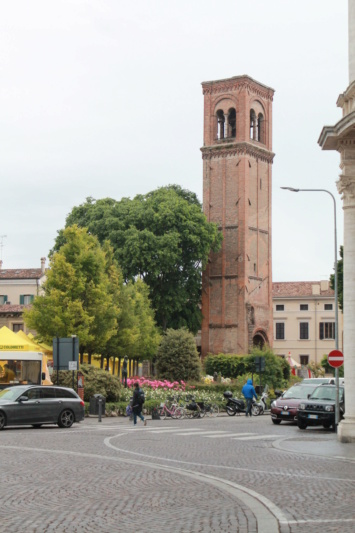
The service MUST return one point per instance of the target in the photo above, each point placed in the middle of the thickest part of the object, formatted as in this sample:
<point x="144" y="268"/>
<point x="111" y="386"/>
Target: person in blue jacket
<point x="249" y="392"/>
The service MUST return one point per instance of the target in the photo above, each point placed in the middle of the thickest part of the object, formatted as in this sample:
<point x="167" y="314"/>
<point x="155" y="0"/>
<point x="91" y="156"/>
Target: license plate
<point x="285" y="413"/>
<point x="313" y="416"/>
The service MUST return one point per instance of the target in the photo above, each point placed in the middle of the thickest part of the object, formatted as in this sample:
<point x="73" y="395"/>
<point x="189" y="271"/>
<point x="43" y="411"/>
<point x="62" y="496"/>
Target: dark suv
<point x="319" y="408"/>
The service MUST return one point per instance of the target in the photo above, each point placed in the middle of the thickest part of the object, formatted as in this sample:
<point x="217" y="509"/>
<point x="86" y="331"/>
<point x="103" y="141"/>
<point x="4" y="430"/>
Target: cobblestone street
<point x="210" y="475"/>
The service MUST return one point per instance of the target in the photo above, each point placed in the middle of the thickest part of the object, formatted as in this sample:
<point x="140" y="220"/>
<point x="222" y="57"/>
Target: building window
<point x="220" y="124"/>
<point x="17" y="327"/>
<point x="326" y="330"/>
<point x="26" y="299"/>
<point x="304" y="335"/>
<point x="261" y="133"/>
<point x="304" y="359"/>
<point x="304" y="307"/>
<point x="280" y="330"/>
<point x="3" y="299"/>
<point x="328" y="307"/>
<point x="232" y="123"/>
<point x="280" y="307"/>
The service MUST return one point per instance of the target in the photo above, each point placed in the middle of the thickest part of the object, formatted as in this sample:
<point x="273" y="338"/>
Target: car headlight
<point x="302" y="406"/>
<point x="329" y="407"/>
<point x="273" y="404"/>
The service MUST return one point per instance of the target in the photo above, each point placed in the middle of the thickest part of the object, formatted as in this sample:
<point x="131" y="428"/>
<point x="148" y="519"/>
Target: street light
<point x="292" y="189"/>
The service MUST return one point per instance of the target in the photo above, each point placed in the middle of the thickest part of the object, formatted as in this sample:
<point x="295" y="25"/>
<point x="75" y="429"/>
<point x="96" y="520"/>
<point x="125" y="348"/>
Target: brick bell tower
<point x="237" y="160"/>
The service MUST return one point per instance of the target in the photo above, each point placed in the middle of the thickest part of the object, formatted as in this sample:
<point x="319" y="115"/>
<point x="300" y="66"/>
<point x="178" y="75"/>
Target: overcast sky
<point x="103" y="98"/>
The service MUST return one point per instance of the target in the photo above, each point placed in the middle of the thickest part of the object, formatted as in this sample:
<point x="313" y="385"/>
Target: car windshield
<point x="10" y="394"/>
<point x="327" y="393"/>
<point x="297" y="393"/>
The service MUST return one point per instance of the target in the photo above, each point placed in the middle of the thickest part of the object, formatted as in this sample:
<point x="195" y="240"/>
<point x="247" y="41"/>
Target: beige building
<point x="304" y="320"/>
<point x="18" y="288"/>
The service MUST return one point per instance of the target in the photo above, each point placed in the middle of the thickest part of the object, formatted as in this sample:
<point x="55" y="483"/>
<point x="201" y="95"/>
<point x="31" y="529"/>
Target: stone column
<point x="351" y="41"/>
<point x="346" y="186"/>
<point x="226" y="126"/>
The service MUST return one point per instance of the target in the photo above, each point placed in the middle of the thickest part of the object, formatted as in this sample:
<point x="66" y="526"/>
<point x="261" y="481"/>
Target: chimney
<point x="43" y="264"/>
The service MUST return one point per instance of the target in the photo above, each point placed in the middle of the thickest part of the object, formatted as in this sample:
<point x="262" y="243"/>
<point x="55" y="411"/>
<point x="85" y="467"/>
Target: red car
<point x="285" y="407"/>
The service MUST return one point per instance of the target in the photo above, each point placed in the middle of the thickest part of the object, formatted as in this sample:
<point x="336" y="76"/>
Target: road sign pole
<point x="336" y="359"/>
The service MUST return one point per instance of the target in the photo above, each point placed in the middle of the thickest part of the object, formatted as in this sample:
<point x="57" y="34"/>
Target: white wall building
<point x="304" y="320"/>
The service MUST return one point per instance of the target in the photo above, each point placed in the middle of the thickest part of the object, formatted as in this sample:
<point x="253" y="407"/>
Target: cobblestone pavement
<point x="226" y="474"/>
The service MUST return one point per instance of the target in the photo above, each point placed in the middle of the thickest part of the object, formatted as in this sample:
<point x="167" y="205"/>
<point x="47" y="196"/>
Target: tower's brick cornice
<point x="233" y="149"/>
<point x="238" y="83"/>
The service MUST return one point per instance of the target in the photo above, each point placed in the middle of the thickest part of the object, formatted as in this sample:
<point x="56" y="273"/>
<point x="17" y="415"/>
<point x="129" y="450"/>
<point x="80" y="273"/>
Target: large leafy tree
<point x="137" y="335"/>
<point x="162" y="237"/>
<point x="80" y="293"/>
<point x="340" y="265"/>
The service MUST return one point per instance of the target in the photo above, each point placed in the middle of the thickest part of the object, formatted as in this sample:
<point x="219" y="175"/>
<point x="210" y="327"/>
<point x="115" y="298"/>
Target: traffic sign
<point x="335" y="358"/>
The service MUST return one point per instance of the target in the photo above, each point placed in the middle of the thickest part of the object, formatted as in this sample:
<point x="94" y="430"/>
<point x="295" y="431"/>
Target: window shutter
<point x="32" y="298"/>
<point x="321" y="330"/>
<point x="5" y="298"/>
<point x="22" y="299"/>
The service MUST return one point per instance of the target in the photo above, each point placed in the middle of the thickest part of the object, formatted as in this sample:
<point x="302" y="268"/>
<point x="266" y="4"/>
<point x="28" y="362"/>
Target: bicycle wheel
<point x="214" y="410"/>
<point x="179" y="413"/>
<point x="201" y="412"/>
<point x="166" y="414"/>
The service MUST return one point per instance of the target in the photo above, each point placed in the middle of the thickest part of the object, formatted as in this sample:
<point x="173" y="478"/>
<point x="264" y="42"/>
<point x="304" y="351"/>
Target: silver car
<point x="37" y="405"/>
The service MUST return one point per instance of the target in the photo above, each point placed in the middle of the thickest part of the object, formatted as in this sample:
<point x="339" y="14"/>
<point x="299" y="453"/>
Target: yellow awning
<point x="9" y="341"/>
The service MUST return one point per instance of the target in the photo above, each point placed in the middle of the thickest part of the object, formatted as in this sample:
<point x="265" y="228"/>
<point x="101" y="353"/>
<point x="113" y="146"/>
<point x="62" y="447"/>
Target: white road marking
<point x="227" y="435"/>
<point x="201" y="433"/>
<point x="256" y="437"/>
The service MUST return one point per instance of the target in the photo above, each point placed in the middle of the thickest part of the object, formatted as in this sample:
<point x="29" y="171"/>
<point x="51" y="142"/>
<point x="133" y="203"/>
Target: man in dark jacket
<point x="137" y="405"/>
<point x="249" y="392"/>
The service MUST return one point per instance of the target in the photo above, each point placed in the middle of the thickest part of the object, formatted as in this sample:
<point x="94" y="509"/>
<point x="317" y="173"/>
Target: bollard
<point x="100" y="409"/>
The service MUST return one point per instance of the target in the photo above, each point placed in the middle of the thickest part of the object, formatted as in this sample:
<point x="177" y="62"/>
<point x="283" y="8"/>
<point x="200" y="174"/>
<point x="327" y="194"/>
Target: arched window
<point x="261" y="128"/>
<point x="220" y="124"/>
<point x="232" y="123"/>
<point x="253" y="125"/>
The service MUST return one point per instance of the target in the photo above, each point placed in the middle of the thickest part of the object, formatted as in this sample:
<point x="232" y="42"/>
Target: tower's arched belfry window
<point x="232" y="123"/>
<point x="220" y="124"/>
<point x="253" y="125"/>
<point x="261" y="128"/>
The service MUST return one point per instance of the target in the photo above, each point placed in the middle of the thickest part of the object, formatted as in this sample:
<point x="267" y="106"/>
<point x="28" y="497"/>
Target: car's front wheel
<point x="327" y="425"/>
<point x="2" y="420"/>
<point x="66" y="419"/>
<point x="301" y="425"/>
<point x="276" y="421"/>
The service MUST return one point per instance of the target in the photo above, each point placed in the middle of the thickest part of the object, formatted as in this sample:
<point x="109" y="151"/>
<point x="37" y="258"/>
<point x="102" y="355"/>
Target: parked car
<point x="285" y="407"/>
<point x="320" y="381"/>
<point x="37" y="405"/>
<point x="319" y="408"/>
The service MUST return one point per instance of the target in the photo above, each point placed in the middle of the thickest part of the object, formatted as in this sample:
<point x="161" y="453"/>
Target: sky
<point x="103" y="98"/>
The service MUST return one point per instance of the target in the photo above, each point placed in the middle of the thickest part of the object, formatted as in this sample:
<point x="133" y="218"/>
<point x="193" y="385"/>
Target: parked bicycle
<point x="173" y="411"/>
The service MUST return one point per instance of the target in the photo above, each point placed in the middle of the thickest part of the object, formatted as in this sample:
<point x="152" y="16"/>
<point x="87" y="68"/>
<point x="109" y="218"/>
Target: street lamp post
<point x="335" y="291"/>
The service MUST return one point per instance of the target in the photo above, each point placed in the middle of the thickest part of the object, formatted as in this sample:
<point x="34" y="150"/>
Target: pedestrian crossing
<point x="196" y="432"/>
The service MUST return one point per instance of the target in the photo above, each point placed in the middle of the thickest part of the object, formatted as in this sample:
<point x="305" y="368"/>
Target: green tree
<point x="328" y="369"/>
<point x="177" y="356"/>
<point x="79" y="294"/>
<point x="340" y="265"/>
<point x="162" y="237"/>
<point x="137" y="335"/>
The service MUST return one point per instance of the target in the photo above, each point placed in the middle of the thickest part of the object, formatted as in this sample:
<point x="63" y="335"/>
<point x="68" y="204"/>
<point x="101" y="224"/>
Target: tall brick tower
<point x="237" y="161"/>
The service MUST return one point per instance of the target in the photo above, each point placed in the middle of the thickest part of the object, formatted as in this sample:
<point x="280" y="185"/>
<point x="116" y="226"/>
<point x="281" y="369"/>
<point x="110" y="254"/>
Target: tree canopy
<point x="163" y="238"/>
<point x="340" y="266"/>
<point x="80" y="294"/>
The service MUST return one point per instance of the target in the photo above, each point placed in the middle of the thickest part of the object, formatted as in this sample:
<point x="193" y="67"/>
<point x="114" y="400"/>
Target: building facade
<point x="18" y="288"/>
<point x="304" y="320"/>
<point x="237" y="160"/>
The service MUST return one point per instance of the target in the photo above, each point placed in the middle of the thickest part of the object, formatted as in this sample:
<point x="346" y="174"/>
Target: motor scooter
<point x="237" y="405"/>
<point x="260" y="407"/>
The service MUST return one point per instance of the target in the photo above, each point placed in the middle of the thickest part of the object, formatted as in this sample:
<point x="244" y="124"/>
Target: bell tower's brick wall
<point x="237" y="161"/>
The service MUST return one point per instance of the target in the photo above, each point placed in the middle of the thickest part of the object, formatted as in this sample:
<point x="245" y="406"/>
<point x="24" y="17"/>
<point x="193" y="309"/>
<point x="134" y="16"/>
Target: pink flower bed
<point x="157" y="384"/>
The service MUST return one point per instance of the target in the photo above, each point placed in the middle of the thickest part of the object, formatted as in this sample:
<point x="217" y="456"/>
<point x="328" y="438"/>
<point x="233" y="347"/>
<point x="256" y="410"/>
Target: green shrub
<point x="237" y="366"/>
<point x="96" y="381"/>
<point x="177" y="356"/>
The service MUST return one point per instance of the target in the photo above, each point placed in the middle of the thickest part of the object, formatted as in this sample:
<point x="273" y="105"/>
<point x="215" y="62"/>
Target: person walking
<point x="137" y="404"/>
<point x="249" y="392"/>
<point x="124" y="371"/>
